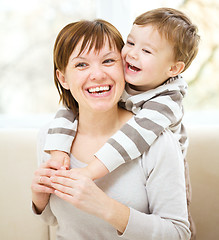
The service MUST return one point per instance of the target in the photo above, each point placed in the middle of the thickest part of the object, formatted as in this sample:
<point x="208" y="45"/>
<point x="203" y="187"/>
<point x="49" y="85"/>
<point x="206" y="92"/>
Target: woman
<point x="142" y="199"/>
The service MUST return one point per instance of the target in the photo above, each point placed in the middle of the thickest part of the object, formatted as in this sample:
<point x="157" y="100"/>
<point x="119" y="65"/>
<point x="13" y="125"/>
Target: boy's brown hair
<point x="177" y="28"/>
<point x="94" y="34"/>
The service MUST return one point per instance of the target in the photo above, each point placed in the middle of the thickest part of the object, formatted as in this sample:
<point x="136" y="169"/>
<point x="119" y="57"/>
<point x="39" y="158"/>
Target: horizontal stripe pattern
<point x="156" y="110"/>
<point x="65" y="131"/>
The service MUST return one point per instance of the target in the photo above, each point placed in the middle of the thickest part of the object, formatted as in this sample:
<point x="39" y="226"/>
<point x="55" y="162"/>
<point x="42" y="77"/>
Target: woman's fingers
<point x="74" y="174"/>
<point x="44" y="180"/>
<point x="62" y="184"/>
<point x="64" y="196"/>
<point x="42" y="189"/>
<point x="42" y="184"/>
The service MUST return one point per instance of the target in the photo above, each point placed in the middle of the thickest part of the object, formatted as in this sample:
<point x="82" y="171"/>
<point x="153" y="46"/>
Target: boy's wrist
<point x="60" y="157"/>
<point x="97" y="169"/>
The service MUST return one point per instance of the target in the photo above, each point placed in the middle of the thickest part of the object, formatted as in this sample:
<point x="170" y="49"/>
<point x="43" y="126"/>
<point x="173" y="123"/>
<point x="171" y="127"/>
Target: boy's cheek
<point x="123" y="53"/>
<point x="123" y="60"/>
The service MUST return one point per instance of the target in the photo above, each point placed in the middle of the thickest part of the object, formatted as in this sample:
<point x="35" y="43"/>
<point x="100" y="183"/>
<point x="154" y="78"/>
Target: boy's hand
<point x="82" y="171"/>
<point x="61" y="158"/>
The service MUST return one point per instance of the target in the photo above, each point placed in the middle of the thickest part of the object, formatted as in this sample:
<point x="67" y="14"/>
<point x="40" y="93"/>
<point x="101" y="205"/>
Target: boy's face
<point x="147" y="58"/>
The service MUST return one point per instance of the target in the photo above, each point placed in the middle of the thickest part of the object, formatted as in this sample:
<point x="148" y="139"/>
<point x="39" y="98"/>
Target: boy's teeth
<point x="98" y="89"/>
<point x="133" y="68"/>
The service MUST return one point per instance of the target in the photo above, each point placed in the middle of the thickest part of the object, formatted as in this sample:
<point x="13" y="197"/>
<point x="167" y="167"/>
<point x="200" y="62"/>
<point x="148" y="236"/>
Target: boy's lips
<point x="132" y="67"/>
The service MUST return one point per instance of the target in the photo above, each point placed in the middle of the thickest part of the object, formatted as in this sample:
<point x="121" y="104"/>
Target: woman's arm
<point x="166" y="193"/>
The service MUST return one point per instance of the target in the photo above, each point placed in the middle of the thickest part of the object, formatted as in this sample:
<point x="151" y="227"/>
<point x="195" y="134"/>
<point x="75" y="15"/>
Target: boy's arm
<point x="61" y="131"/>
<point x="94" y="170"/>
<point x="139" y="133"/>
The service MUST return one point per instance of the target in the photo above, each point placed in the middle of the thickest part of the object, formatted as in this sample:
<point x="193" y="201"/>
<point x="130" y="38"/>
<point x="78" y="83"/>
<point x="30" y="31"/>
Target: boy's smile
<point x="132" y="68"/>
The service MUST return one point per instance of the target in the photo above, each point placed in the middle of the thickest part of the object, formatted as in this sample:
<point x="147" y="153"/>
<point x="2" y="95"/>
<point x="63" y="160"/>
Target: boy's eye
<point x="81" y="65"/>
<point x="130" y="43"/>
<point x="109" y="61"/>
<point x="146" y="51"/>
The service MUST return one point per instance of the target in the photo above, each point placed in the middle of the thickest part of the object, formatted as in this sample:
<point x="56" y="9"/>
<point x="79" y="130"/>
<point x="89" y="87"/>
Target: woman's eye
<point x="81" y="65"/>
<point x="109" y="61"/>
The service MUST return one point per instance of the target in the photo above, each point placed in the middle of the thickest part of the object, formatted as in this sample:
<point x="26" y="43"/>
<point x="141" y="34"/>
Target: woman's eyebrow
<point x="109" y="53"/>
<point x="83" y="58"/>
<point x="77" y="57"/>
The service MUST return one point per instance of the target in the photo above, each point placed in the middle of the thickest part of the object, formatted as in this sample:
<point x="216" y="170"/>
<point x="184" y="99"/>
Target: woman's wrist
<point x="40" y="203"/>
<point x="117" y="215"/>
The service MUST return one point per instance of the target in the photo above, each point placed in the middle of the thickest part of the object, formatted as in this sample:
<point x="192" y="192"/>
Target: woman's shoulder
<point x="167" y="141"/>
<point x="165" y="151"/>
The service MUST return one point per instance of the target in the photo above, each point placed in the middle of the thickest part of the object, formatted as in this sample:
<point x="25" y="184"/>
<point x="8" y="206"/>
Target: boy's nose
<point x="133" y="54"/>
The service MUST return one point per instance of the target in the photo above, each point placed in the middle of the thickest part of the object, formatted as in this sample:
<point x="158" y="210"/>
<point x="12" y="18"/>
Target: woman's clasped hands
<point x="81" y="191"/>
<point x="73" y="186"/>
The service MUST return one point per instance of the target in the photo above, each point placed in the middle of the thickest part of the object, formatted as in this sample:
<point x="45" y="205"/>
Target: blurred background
<point x="28" y="97"/>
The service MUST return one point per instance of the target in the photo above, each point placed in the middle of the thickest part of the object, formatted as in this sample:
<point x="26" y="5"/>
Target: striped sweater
<point x="155" y="110"/>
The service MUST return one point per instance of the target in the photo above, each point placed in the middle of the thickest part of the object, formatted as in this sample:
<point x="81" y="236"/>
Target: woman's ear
<point x="61" y="78"/>
<point x="176" y="69"/>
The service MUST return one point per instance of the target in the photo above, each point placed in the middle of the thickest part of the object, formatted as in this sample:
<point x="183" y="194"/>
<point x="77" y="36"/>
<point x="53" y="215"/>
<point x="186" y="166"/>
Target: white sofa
<point x="18" y="162"/>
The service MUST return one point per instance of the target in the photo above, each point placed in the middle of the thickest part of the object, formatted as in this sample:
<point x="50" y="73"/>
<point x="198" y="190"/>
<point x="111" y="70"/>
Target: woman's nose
<point x="97" y="73"/>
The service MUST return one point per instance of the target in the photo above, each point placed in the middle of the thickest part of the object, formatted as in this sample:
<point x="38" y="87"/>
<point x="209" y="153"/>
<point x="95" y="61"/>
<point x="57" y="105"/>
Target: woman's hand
<point x="80" y="191"/>
<point x="41" y="184"/>
<point x="84" y="194"/>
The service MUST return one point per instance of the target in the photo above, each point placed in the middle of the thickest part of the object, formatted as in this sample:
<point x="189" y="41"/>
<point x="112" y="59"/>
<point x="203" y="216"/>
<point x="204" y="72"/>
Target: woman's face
<point x="95" y="79"/>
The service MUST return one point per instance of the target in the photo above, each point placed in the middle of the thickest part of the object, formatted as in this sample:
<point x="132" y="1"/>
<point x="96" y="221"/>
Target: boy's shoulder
<point x="171" y="86"/>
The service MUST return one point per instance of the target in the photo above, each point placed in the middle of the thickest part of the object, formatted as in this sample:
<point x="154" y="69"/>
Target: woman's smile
<point x="101" y="90"/>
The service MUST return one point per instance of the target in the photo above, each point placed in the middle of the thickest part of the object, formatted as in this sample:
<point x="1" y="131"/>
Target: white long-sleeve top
<point x="153" y="186"/>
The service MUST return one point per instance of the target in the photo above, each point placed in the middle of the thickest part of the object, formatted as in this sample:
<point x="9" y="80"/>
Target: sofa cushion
<point x="18" y="162"/>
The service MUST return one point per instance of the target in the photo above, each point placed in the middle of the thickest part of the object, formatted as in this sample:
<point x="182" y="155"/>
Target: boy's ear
<point x="176" y="69"/>
<point x="62" y="80"/>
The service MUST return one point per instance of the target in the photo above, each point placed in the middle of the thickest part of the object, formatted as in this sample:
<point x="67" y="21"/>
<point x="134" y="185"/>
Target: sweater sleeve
<point x="163" y="109"/>
<point x="46" y="216"/>
<point x="61" y="134"/>
<point x="166" y="192"/>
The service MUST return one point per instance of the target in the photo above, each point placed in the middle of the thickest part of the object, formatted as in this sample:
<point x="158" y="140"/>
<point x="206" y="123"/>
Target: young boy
<point x="161" y="45"/>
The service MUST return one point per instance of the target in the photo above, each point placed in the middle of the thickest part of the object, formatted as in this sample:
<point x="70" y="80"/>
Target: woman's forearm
<point x="117" y="215"/>
<point x="40" y="202"/>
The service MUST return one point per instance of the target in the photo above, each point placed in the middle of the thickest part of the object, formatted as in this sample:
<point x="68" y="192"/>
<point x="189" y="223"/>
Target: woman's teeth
<point x="99" y="89"/>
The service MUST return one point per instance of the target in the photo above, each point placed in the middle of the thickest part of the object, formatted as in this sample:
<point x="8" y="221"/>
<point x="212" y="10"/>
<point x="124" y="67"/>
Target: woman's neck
<point x="103" y="123"/>
<point x="94" y="129"/>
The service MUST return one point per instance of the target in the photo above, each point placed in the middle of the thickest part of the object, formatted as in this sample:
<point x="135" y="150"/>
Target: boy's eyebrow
<point x="151" y="46"/>
<point x="130" y="35"/>
<point x="146" y="43"/>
